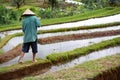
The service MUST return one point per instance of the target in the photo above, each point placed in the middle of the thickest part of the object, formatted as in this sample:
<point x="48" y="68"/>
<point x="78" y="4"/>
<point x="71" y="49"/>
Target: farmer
<point x="29" y="27"/>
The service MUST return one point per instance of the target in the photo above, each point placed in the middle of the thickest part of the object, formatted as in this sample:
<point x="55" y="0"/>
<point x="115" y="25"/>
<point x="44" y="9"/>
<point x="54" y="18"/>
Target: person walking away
<point x="29" y="27"/>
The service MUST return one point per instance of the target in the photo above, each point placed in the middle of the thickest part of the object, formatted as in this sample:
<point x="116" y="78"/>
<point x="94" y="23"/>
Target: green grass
<point x="14" y="26"/>
<point x="79" y="28"/>
<point x="8" y="37"/>
<point x="18" y="66"/>
<point x="83" y="16"/>
<point x="66" y="56"/>
<point x="69" y="55"/>
<point x="80" y="72"/>
<point x="1" y="51"/>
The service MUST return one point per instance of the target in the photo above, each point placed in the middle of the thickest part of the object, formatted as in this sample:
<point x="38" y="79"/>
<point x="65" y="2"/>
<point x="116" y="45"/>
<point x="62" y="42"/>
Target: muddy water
<point x="44" y="50"/>
<point x="79" y="31"/>
<point x="94" y="21"/>
<point x="3" y="34"/>
<point x="91" y="56"/>
<point x="15" y="41"/>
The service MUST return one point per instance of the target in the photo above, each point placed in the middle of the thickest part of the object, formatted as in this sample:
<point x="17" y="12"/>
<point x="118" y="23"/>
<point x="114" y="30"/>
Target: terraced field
<point x="62" y="46"/>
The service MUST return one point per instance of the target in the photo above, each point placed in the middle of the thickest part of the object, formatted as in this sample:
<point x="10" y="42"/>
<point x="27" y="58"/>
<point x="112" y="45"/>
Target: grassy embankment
<point x="86" y="71"/>
<point x="18" y="66"/>
<point x="83" y="16"/>
<point x="58" y="58"/>
<point x="69" y="55"/>
<point x="79" y="36"/>
<point x="1" y="51"/>
<point x="79" y="28"/>
<point x="11" y="54"/>
<point x="7" y="38"/>
<point x="21" y="70"/>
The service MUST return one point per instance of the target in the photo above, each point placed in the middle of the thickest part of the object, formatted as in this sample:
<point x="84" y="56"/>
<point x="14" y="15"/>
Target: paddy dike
<point x="84" y="58"/>
<point x="107" y="68"/>
<point x="45" y="66"/>
<point x="29" y="69"/>
<point x="92" y="21"/>
<point x="45" y="50"/>
<point x="10" y="54"/>
<point x="111" y="74"/>
<point x="56" y="39"/>
<point x="32" y="69"/>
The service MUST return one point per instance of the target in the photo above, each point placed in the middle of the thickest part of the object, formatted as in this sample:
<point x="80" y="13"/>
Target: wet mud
<point x="28" y="70"/>
<point x="56" y="39"/>
<point x="10" y="54"/>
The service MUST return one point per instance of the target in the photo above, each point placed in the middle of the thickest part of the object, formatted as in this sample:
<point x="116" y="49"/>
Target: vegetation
<point x="80" y="28"/>
<point x="7" y="16"/>
<point x="9" y="20"/>
<point x="84" y="71"/>
<point x="71" y="55"/>
<point x="53" y="3"/>
<point x="1" y="51"/>
<point x="57" y="58"/>
<point x="8" y="37"/>
<point x="82" y="16"/>
<point x="18" y="3"/>
<point x="18" y="66"/>
<point x="96" y="4"/>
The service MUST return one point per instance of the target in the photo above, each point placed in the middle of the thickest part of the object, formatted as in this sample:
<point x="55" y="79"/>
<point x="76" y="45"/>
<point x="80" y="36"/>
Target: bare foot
<point x="34" y="61"/>
<point x="20" y="62"/>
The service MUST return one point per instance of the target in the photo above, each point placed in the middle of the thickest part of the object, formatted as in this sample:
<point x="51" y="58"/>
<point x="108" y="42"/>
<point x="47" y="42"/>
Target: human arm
<point x="38" y="24"/>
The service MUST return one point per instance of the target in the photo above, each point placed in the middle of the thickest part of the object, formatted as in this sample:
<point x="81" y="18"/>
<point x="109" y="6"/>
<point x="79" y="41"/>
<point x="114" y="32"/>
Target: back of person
<point x="29" y="27"/>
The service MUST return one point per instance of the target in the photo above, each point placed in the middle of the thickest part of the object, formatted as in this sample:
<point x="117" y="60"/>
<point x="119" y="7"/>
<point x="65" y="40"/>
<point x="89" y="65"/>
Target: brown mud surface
<point x="41" y="68"/>
<point x="25" y="71"/>
<point x="113" y="74"/>
<point x="10" y="54"/>
<point x="56" y="39"/>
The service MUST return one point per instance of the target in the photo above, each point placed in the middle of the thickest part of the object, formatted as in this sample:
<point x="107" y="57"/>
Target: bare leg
<point x="21" y="57"/>
<point x="34" y="60"/>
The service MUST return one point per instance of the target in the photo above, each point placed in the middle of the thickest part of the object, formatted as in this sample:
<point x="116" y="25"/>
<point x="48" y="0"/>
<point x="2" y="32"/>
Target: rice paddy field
<point x="72" y="48"/>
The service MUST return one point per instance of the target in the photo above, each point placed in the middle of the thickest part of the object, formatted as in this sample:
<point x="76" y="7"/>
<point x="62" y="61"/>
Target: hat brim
<point x="28" y="13"/>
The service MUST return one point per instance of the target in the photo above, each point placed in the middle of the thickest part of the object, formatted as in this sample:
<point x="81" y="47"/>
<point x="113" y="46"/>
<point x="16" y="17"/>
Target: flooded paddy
<point x="79" y="31"/>
<point x="93" y="21"/>
<point x="44" y="50"/>
<point x="91" y="56"/>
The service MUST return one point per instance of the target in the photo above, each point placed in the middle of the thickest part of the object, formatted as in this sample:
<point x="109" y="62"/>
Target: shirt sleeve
<point x="37" y="22"/>
<point x="23" y="27"/>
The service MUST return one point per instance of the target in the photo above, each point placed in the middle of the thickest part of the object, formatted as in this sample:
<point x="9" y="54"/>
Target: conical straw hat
<point x="28" y="12"/>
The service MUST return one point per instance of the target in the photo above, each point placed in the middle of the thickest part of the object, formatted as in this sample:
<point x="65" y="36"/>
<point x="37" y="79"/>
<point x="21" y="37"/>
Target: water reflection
<point x="44" y="50"/>
<point x="91" y="56"/>
<point x="103" y="20"/>
<point x="93" y="21"/>
<point x="79" y="31"/>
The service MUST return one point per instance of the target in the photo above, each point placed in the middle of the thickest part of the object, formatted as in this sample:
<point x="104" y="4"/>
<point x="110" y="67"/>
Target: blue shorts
<point x="26" y="47"/>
